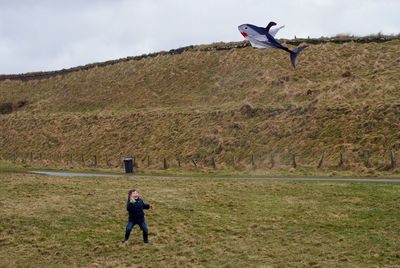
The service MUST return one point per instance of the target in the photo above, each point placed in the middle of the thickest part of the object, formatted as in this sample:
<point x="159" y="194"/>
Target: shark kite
<point x="264" y="38"/>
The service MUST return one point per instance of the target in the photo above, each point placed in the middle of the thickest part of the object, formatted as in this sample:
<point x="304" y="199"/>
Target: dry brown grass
<point x="340" y="98"/>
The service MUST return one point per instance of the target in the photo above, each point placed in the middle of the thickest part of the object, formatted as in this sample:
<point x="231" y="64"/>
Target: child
<point x="135" y="207"/>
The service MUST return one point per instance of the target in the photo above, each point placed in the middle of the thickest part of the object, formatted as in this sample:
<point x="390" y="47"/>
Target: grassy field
<point x="64" y="222"/>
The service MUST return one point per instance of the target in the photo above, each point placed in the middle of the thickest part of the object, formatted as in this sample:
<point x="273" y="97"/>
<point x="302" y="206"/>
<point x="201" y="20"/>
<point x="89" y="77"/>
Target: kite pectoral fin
<point x="294" y="54"/>
<point x="273" y="32"/>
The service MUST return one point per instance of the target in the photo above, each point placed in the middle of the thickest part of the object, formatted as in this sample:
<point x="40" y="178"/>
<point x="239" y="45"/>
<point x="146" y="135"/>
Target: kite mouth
<point x="244" y="34"/>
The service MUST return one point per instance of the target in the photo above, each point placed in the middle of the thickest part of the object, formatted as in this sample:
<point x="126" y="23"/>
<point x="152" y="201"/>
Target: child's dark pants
<point x="142" y="226"/>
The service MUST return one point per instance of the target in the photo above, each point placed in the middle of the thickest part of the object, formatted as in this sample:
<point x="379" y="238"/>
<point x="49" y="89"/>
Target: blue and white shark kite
<point x="264" y="38"/>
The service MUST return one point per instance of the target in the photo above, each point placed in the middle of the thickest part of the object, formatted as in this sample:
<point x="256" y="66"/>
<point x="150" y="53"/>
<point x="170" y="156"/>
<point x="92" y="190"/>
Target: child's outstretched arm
<point x="148" y="206"/>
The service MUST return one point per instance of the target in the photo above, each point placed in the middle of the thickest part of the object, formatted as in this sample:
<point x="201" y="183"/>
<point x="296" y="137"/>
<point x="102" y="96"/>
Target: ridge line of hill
<point x="213" y="47"/>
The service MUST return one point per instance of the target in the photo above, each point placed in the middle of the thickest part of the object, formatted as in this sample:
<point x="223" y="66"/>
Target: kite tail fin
<point x="294" y="54"/>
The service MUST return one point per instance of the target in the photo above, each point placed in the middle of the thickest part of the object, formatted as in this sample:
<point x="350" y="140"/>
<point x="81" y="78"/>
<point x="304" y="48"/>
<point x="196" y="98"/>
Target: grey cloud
<point x="49" y="35"/>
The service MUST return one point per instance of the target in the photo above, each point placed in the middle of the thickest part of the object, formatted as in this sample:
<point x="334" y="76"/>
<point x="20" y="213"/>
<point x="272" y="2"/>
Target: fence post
<point x="31" y="157"/>
<point x="214" y="165"/>
<point x="135" y="163"/>
<point x="272" y="161"/>
<point x="165" y="166"/>
<point x="392" y="160"/>
<point x="194" y="162"/>
<point x="341" y="162"/>
<point x="253" y="164"/>
<point x="294" y="161"/>
<point x="95" y="160"/>
<point x="148" y="161"/>
<point x="321" y="160"/>
<point x="179" y="161"/>
<point x="83" y="159"/>
<point x="367" y="164"/>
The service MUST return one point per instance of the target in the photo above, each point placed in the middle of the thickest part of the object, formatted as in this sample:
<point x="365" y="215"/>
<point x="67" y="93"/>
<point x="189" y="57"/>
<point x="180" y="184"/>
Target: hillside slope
<point x="226" y="104"/>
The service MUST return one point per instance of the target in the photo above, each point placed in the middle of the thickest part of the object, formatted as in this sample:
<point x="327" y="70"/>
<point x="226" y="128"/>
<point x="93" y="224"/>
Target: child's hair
<point x="130" y="192"/>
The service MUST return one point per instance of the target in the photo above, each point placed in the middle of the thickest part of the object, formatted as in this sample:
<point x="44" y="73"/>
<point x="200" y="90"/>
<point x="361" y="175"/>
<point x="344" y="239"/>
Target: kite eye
<point x="245" y="28"/>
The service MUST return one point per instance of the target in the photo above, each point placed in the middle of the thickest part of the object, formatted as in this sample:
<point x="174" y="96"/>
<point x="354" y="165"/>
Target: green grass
<point x="63" y="222"/>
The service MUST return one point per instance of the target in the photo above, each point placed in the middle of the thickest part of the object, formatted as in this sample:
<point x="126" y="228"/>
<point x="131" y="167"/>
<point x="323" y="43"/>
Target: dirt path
<point x="81" y="174"/>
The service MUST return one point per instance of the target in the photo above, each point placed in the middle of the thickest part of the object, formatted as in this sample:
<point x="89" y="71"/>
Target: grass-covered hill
<point x="227" y="104"/>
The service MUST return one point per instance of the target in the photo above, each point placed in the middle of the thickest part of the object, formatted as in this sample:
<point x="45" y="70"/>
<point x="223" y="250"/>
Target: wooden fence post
<point x="392" y="160"/>
<point x="253" y="164"/>
<point x="214" y="165"/>
<point x="294" y="161"/>
<point x="148" y="161"/>
<point x="95" y="160"/>
<point x="366" y="161"/>
<point x="321" y="160"/>
<point x="135" y="163"/>
<point x="272" y="161"/>
<point x="83" y="159"/>
<point x="341" y="162"/>
<point x="179" y="161"/>
<point x="165" y="165"/>
<point x="194" y="162"/>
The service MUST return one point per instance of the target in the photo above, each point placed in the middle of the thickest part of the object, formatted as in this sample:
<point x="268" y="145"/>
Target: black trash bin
<point x="128" y="163"/>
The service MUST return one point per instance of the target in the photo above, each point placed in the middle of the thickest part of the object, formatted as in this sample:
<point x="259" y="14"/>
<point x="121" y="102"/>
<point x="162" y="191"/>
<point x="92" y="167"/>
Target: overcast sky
<point x="40" y="35"/>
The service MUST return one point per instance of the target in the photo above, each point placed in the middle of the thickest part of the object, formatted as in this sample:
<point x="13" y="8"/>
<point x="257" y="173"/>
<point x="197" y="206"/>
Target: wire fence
<point x="339" y="160"/>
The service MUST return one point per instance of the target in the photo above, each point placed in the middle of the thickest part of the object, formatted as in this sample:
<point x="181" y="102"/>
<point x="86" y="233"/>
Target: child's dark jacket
<point x="135" y="208"/>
